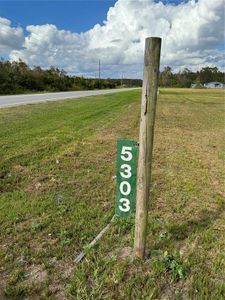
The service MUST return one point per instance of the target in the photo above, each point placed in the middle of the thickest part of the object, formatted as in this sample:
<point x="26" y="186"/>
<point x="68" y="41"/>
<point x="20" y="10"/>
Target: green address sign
<point x="126" y="176"/>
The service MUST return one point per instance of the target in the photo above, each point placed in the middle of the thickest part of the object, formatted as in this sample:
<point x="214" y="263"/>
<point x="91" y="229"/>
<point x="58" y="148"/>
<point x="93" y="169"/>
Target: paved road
<point x="14" y="100"/>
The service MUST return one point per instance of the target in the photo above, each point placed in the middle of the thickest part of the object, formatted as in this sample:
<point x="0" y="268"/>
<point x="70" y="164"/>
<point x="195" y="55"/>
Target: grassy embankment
<point x="57" y="192"/>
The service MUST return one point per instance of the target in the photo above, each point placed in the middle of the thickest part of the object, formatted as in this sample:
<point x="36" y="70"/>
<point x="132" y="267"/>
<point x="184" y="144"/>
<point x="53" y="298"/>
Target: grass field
<point x="57" y="192"/>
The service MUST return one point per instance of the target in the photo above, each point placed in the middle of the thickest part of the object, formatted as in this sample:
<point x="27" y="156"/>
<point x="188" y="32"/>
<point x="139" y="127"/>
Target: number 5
<point x="127" y="155"/>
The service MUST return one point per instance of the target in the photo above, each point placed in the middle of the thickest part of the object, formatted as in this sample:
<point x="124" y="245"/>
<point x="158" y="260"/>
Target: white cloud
<point x="192" y="34"/>
<point x="46" y="45"/>
<point x="10" y="37"/>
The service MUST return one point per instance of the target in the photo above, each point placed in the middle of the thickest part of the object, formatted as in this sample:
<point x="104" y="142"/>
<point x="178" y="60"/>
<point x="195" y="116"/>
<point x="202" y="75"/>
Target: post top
<point x="153" y="38"/>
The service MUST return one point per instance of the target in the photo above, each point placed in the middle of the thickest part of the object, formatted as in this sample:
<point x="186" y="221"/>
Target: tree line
<point x="186" y="77"/>
<point x="18" y="77"/>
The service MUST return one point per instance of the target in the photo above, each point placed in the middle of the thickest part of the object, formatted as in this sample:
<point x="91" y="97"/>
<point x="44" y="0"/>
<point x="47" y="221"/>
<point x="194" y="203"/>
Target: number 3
<point x="126" y="205"/>
<point x="126" y="171"/>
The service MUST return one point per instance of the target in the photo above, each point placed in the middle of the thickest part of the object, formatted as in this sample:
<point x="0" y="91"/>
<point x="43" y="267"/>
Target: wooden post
<point x="148" y="110"/>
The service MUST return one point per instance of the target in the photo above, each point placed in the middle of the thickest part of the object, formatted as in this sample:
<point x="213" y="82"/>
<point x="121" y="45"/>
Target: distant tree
<point x="166" y="77"/>
<point x="185" y="78"/>
<point x="209" y="74"/>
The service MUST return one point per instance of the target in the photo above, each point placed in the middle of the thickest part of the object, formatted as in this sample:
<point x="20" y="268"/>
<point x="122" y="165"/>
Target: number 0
<point x="125" y="188"/>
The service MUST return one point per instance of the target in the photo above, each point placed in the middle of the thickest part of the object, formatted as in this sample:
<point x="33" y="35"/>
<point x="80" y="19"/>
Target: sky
<point x="75" y="35"/>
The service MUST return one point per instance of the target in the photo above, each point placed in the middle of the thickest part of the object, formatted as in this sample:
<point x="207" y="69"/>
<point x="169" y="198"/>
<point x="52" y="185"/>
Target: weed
<point x="174" y="266"/>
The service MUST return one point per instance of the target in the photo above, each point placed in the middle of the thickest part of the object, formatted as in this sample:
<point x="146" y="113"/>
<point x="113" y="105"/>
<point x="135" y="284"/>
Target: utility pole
<point x="121" y="82"/>
<point x="99" y="69"/>
<point x="148" y="110"/>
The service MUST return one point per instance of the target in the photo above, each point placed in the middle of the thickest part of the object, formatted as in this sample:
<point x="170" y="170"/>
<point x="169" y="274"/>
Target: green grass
<point x="57" y="193"/>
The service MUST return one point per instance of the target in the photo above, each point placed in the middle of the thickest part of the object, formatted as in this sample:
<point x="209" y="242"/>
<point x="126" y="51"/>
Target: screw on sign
<point x="126" y="175"/>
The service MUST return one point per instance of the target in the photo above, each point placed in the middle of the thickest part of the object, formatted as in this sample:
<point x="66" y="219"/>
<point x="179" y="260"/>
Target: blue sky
<point x="76" y="16"/>
<point x="69" y="15"/>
